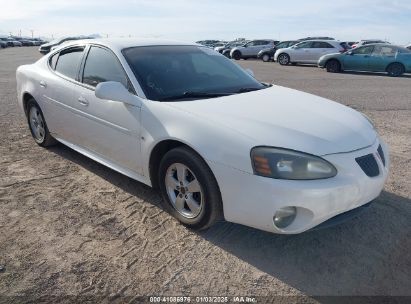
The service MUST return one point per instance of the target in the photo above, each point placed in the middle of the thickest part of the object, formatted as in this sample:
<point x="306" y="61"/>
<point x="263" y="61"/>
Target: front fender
<point x="213" y="142"/>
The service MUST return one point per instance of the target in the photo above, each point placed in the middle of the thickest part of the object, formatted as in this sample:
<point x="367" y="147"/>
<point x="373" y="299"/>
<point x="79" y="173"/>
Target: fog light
<point x="284" y="217"/>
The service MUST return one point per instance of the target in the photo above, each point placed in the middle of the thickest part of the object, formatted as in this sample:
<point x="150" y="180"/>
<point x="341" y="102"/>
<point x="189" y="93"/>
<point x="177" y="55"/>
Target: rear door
<point x="110" y="129"/>
<point x="58" y="91"/>
<point x="358" y="59"/>
<point x="381" y="57"/>
<point x="301" y="52"/>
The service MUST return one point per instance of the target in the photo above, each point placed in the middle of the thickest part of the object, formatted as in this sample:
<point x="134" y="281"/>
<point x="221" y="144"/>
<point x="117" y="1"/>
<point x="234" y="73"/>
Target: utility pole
<point x="32" y="33"/>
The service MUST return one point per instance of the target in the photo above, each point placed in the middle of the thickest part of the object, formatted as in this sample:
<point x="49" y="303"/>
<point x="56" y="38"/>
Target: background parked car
<point x="252" y="48"/>
<point x="268" y="54"/>
<point x="10" y="41"/>
<point x="45" y="48"/>
<point x="368" y="41"/>
<point x="308" y="51"/>
<point x="316" y="38"/>
<point x="408" y="46"/>
<point x="230" y="45"/>
<point x="23" y="40"/>
<point x="394" y="60"/>
<point x="3" y="44"/>
<point x="209" y="43"/>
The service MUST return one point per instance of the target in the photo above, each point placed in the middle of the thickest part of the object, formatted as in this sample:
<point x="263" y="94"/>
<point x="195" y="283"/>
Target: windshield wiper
<point x="245" y="90"/>
<point x="194" y="95"/>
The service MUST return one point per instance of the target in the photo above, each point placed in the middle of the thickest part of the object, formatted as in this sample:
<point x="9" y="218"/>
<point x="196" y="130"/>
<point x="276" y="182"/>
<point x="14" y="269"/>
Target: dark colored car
<point x="45" y="48"/>
<point x="268" y="54"/>
<point x="380" y="58"/>
<point x="10" y="41"/>
<point x="24" y="41"/>
<point x="3" y="44"/>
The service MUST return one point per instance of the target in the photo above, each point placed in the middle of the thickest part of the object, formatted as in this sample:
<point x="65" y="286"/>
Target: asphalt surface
<point x="71" y="227"/>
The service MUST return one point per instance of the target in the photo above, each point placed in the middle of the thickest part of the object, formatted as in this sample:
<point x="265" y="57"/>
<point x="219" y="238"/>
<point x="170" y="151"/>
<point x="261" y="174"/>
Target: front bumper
<point x="253" y="200"/>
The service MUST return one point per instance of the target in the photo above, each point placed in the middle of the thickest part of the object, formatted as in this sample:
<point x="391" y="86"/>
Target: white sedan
<point x="215" y="141"/>
<point x="309" y="52"/>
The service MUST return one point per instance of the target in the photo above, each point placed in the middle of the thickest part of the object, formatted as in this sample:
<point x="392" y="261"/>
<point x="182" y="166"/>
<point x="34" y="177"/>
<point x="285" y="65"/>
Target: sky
<point x="192" y="20"/>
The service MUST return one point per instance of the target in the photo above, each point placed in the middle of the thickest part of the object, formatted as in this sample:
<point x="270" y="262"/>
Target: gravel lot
<point x="70" y="226"/>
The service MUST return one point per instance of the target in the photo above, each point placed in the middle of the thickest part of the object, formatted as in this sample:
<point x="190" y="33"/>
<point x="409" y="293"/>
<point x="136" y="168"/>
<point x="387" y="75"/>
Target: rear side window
<point x="321" y="45"/>
<point x="69" y="61"/>
<point x="304" y="45"/>
<point x="102" y="65"/>
<point x="53" y="61"/>
<point x="382" y="50"/>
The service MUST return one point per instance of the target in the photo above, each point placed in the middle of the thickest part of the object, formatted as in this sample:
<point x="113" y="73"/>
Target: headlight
<point x="287" y="164"/>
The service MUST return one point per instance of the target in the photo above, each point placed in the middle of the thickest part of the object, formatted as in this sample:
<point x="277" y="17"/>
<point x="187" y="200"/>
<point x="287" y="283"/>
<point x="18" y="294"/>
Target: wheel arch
<point x="25" y="100"/>
<point x="158" y="152"/>
<point x="335" y="59"/>
<point x="394" y="62"/>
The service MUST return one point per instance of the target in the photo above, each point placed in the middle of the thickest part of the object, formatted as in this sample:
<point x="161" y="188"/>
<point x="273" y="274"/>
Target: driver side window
<point x="365" y="50"/>
<point x="101" y="65"/>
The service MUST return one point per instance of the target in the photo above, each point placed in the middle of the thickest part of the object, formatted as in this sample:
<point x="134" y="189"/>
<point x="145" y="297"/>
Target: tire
<point x="266" y="58"/>
<point x="395" y="69"/>
<point x="200" y="209"/>
<point x="283" y="59"/>
<point x="38" y="126"/>
<point x="333" y="66"/>
<point x="236" y="55"/>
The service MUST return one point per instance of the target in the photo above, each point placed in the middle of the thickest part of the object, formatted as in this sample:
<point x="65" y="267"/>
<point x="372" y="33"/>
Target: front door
<point x="358" y="59"/>
<point x="110" y="129"/>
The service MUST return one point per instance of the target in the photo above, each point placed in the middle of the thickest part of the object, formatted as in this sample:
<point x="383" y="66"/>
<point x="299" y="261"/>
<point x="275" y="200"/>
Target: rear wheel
<point x="333" y="66"/>
<point x="38" y="126"/>
<point x="283" y="59"/>
<point x="189" y="190"/>
<point x="395" y="69"/>
<point x="266" y="58"/>
<point x="236" y="55"/>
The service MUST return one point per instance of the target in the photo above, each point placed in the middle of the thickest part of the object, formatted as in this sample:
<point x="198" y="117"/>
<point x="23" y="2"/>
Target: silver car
<point x="252" y="48"/>
<point x="309" y="52"/>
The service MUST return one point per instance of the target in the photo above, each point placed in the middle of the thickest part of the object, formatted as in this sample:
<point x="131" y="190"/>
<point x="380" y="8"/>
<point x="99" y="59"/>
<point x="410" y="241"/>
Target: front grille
<point x="381" y="153"/>
<point x="369" y="165"/>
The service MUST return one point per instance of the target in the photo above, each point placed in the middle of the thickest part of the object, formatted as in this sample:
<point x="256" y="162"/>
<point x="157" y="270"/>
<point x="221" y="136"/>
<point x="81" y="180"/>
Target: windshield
<point x="167" y="71"/>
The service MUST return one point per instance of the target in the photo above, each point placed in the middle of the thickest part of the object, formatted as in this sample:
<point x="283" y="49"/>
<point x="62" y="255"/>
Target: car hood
<point x="282" y="117"/>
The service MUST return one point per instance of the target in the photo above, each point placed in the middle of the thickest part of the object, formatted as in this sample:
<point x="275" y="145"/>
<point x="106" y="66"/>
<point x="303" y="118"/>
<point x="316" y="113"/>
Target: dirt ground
<point x="71" y="227"/>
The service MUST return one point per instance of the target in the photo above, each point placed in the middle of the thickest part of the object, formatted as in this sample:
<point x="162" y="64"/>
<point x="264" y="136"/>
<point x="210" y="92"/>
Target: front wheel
<point x="189" y="190"/>
<point x="283" y="59"/>
<point x="236" y="55"/>
<point x="395" y="69"/>
<point x="266" y="58"/>
<point x="333" y="66"/>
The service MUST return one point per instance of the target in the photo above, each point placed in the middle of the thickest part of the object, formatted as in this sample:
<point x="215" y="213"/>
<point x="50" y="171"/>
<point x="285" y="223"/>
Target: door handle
<point x="43" y="84"/>
<point x="83" y="101"/>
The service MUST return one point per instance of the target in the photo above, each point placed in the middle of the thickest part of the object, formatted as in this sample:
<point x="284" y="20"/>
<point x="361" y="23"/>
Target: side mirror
<point x="115" y="91"/>
<point x="250" y="71"/>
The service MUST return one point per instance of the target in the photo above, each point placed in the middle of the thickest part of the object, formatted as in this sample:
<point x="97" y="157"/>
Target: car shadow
<point x="367" y="255"/>
<point x="375" y="74"/>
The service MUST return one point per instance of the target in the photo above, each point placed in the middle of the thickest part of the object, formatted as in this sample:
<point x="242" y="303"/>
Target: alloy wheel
<point x="37" y="125"/>
<point x="184" y="190"/>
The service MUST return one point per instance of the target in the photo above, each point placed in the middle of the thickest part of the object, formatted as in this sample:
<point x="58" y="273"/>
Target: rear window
<point x="69" y="61"/>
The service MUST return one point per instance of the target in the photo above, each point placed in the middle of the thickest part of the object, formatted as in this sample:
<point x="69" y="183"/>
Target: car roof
<point x="123" y="43"/>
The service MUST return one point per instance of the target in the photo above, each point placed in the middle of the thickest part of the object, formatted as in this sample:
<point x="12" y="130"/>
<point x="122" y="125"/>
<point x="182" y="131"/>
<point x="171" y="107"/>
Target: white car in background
<point x="215" y="141"/>
<point x="309" y="52"/>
